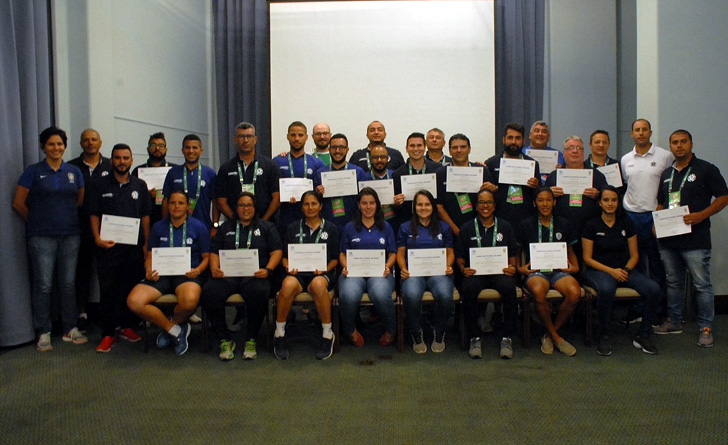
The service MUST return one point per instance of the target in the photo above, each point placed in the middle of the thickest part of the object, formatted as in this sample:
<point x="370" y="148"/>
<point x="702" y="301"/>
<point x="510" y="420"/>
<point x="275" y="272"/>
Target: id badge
<point x="515" y="194"/>
<point x="158" y="198"/>
<point x="338" y="205"/>
<point x="674" y="200"/>
<point x="576" y="200"/>
<point x="388" y="211"/>
<point x="191" y="206"/>
<point x="464" y="203"/>
<point x="250" y="188"/>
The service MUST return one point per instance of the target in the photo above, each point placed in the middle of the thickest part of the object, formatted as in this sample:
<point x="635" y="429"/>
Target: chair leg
<point x="146" y="336"/>
<point x="271" y="322"/>
<point x="205" y="333"/>
<point x="335" y="322"/>
<point x="589" y="320"/>
<point x="400" y="324"/>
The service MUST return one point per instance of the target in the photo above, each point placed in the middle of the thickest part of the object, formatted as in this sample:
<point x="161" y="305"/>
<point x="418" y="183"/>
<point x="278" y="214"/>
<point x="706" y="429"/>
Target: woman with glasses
<point x="487" y="231"/>
<point x="250" y="232"/>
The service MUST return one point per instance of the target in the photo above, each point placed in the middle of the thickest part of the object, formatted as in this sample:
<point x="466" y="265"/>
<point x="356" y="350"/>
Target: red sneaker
<point x="106" y="343"/>
<point x="386" y="339"/>
<point x="129" y="334"/>
<point x="356" y="339"/>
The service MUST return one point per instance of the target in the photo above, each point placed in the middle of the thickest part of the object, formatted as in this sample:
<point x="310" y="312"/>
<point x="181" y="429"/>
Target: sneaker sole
<point x="44" y="349"/>
<point x="187" y="329"/>
<point x="667" y="332"/>
<point x="506" y="356"/>
<point x="331" y="351"/>
<point x="75" y="341"/>
<point x="131" y="340"/>
<point x="604" y="354"/>
<point x="104" y="350"/>
<point x="250" y="357"/>
<point x="705" y="346"/>
<point x="639" y="346"/>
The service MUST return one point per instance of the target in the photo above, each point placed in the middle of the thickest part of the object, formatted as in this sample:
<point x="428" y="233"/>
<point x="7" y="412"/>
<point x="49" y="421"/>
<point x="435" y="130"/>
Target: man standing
<point x="539" y="138"/>
<point x="376" y="134"/>
<point x="248" y="171"/>
<point x="599" y="144"/>
<point x="197" y="180"/>
<point x="416" y="165"/>
<point x="157" y="149"/>
<point x="321" y="140"/>
<point x="91" y="164"/>
<point x="694" y="183"/>
<point x="435" y="142"/>
<point x="120" y="266"/>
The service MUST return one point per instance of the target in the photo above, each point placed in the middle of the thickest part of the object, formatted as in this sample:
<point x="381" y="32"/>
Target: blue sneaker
<point x="164" y="340"/>
<point x="180" y="346"/>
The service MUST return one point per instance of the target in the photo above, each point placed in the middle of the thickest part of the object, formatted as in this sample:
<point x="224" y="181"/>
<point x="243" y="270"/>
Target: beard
<point x="512" y="150"/>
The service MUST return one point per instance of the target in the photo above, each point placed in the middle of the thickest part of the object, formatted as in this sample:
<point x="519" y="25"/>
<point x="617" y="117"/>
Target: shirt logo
<point x="43" y="176"/>
<point x="259" y="171"/>
<point x="71" y="177"/>
<point x="558" y="235"/>
<point x="324" y="235"/>
<point x="691" y="178"/>
<point x="624" y="233"/>
<point x="134" y="195"/>
<point x="232" y="173"/>
<point x="439" y="236"/>
<point x="189" y="241"/>
<point x="604" y="234"/>
<point x="178" y="180"/>
<point x="381" y="241"/>
<point x="499" y="237"/>
<point x="230" y="233"/>
<point x="356" y="240"/>
<point x="104" y="173"/>
<point x="309" y="171"/>
<point x="257" y="232"/>
<point x="202" y="183"/>
<point x="107" y="195"/>
<point x="653" y="164"/>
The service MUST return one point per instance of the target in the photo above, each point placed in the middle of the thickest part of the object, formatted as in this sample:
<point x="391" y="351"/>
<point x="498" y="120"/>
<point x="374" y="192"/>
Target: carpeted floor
<point x="368" y="395"/>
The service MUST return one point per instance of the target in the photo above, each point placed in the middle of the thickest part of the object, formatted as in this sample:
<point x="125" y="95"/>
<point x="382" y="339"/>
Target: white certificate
<point x="339" y="183"/>
<point x="489" y="260"/>
<point x="307" y="257"/>
<point x="239" y="262"/>
<point x="120" y="229"/>
<point x="293" y="187"/>
<point x="516" y="171"/>
<point x="153" y="176"/>
<point x="548" y="256"/>
<point x="669" y="222"/>
<point x="547" y="159"/>
<point x="574" y="180"/>
<point x="171" y="260"/>
<point x="412" y="184"/>
<point x="464" y="179"/>
<point x="365" y="262"/>
<point x="426" y="262"/>
<point x="611" y="172"/>
<point x="384" y="189"/>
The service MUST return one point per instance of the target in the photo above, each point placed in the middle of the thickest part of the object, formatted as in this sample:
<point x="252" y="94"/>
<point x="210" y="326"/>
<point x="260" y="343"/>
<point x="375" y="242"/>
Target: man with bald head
<point x="321" y="140"/>
<point x="376" y="135"/>
<point x="92" y="165"/>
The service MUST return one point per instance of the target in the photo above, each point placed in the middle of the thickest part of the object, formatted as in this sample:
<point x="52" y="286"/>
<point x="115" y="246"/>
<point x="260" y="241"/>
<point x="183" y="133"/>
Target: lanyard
<point x="369" y="162"/>
<point x="551" y="230"/>
<point x="424" y="168"/>
<point x="305" y="165"/>
<point x="171" y="233"/>
<point x="199" y="180"/>
<point x="371" y="172"/>
<point x="495" y="230"/>
<point x="300" y="232"/>
<point x="346" y="166"/>
<point x="242" y="179"/>
<point x="682" y="184"/>
<point x="237" y="236"/>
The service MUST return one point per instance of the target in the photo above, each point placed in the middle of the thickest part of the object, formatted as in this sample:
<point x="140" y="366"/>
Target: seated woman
<point x="426" y="231"/>
<point x="177" y="230"/>
<point x="488" y="231"/>
<point x="368" y="230"/>
<point x="609" y="244"/>
<point x="312" y="229"/>
<point x="248" y="231"/>
<point x="547" y="228"/>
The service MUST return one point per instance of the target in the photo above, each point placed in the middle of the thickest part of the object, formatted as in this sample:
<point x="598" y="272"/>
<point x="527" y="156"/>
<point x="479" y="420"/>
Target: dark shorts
<point x="305" y="279"/>
<point x="168" y="285"/>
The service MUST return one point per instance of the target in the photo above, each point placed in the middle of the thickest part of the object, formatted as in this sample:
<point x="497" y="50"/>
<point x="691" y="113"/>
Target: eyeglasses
<point x="338" y="147"/>
<point x="246" y="206"/>
<point x="577" y="148"/>
<point x="486" y="203"/>
<point x="154" y="146"/>
<point x="321" y="133"/>
<point x="245" y="136"/>
<point x="380" y="157"/>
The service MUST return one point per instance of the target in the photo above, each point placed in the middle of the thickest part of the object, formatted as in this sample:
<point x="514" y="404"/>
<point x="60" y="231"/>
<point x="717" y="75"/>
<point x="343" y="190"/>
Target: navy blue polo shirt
<point x="505" y="237"/>
<point x="611" y="244"/>
<point x="265" y="238"/>
<point x="368" y="238"/>
<point x="109" y="197"/>
<point x="578" y="216"/>
<point x="514" y="213"/>
<point x="292" y="212"/>
<point x="174" y="181"/>
<point x="350" y="204"/>
<point x="528" y="233"/>
<point x="198" y="237"/>
<point x="449" y="200"/>
<point x="228" y="183"/>
<point x="52" y="197"/>
<point x="703" y="183"/>
<point x="424" y="240"/>
<point x="329" y="235"/>
<point x="359" y="158"/>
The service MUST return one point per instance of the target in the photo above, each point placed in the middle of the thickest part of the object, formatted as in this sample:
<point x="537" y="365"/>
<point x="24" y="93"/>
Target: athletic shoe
<point x="250" y="353"/>
<point x="632" y="317"/>
<point x="180" y="346"/>
<point x="386" y="339"/>
<point x="706" y="338"/>
<point x="506" y="348"/>
<point x="438" y="342"/>
<point x="566" y="348"/>
<point x="605" y="346"/>
<point x="668" y="327"/>
<point x="44" y="342"/>
<point x="83" y="324"/>
<point x="475" y="350"/>
<point x="75" y="336"/>
<point x="280" y="348"/>
<point x="356" y="339"/>
<point x="195" y="319"/>
<point x="547" y="345"/>
<point x="226" y="350"/>
<point x="106" y="344"/>
<point x="164" y="340"/>
<point x="645" y="344"/>
<point x="418" y="343"/>
<point x="326" y="349"/>
<point x="129" y="335"/>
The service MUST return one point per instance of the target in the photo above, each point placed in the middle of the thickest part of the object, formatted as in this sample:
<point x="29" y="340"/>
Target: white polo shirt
<point x="642" y="173"/>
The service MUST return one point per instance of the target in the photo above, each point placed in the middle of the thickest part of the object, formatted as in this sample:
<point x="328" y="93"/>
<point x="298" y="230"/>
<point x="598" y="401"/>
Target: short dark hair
<point x="297" y="124"/>
<point x="649" y="125"/>
<point x="681" y="131"/>
<point x="596" y="132"/>
<point x="313" y="193"/>
<point x="119" y="146"/>
<point x="250" y="195"/>
<point x="191" y="137"/>
<point x="52" y="131"/>
<point x="515" y="126"/>
<point x="542" y="189"/>
<point x="181" y="192"/>
<point x="458" y="137"/>
<point x="416" y="135"/>
<point x="486" y="191"/>
<point x="157" y="135"/>
<point x="340" y="136"/>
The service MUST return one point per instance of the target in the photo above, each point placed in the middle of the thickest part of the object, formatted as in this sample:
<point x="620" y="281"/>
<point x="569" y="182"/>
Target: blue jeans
<point x="51" y="255"/>
<point x="380" y="293"/>
<point x="442" y="289"/>
<point x="649" y="263"/>
<point x="606" y="287"/>
<point x="698" y="264"/>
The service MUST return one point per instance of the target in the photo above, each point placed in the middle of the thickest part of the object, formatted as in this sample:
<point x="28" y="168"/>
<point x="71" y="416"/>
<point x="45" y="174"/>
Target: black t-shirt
<point x="528" y="233"/>
<point x="702" y="184"/>
<point x="108" y="197"/>
<point x="404" y="212"/>
<point x="156" y="212"/>
<point x="467" y="238"/>
<point x="359" y="158"/>
<point x="511" y="211"/>
<point x="329" y="235"/>
<point x="228" y="183"/>
<point x="588" y="163"/>
<point x="578" y="215"/>
<point x="103" y="168"/>
<point x="611" y="245"/>
<point x="458" y="212"/>
<point x="265" y="238"/>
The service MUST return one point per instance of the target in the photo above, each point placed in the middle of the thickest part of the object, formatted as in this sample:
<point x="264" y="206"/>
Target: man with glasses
<point x="157" y="149"/>
<point x="321" y="140"/>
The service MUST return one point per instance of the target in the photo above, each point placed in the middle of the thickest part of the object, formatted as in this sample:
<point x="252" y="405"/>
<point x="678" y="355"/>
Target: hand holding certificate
<point x="464" y="179"/>
<point x="516" y="171"/>
<point x="384" y="189"/>
<point x="365" y="262"/>
<point x="339" y="183"/>
<point x="574" y="180"/>
<point x="120" y="229"/>
<point x="307" y="257"/>
<point x="171" y="261"/>
<point x="548" y="256"/>
<point x="414" y="183"/>
<point x="427" y="262"/>
<point x="239" y="262"/>
<point x="488" y="260"/>
<point x="669" y="222"/>
<point x="293" y="188"/>
<point x="153" y="176"/>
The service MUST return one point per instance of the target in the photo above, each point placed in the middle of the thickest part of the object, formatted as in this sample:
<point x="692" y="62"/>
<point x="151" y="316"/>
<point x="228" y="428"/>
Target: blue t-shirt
<point x="198" y="238"/>
<point x="424" y="239"/>
<point x="340" y="218"/>
<point x="371" y="238"/>
<point x="290" y="213"/>
<point x="52" y="198"/>
<point x="174" y="181"/>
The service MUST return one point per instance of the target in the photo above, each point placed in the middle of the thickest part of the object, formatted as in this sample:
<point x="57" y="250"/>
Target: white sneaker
<point x="44" y="342"/>
<point x="75" y="336"/>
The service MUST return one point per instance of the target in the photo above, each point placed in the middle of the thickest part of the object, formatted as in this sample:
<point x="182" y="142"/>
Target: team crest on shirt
<point x="202" y="183"/>
<point x="71" y="177"/>
<point x="104" y="173"/>
<point x="309" y="171"/>
<point x="257" y="232"/>
<point x="134" y="195"/>
<point x="381" y="241"/>
<point x="439" y="236"/>
<point x="624" y="233"/>
<point x="259" y="172"/>
<point x="558" y="236"/>
<point x="324" y="235"/>
<point x="691" y="178"/>
<point x="189" y="241"/>
<point x="499" y="237"/>
<point x="653" y="164"/>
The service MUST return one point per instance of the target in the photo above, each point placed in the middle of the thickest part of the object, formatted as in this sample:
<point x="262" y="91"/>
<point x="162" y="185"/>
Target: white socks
<point x="280" y="329"/>
<point x="328" y="333"/>
<point x="175" y="330"/>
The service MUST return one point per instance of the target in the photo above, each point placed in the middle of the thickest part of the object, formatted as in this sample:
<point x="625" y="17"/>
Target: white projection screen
<point x="413" y="65"/>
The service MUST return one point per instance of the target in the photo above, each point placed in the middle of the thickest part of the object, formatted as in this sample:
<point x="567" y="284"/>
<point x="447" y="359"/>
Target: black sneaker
<point x="280" y="348"/>
<point x="326" y="349"/>
<point x="605" y="346"/>
<point x="645" y="344"/>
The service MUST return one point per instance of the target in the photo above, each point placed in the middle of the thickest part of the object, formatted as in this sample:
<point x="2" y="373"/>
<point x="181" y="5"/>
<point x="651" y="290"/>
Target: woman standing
<point x="426" y="231"/>
<point x="47" y="198"/>
<point x="368" y="230"/>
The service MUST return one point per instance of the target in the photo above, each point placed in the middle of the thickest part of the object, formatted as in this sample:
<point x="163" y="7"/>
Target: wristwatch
<point x="627" y="269"/>
<point x="216" y="224"/>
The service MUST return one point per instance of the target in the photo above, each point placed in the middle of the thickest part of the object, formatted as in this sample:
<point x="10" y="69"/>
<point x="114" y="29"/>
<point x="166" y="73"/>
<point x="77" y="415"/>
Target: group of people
<point x="607" y="230"/>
